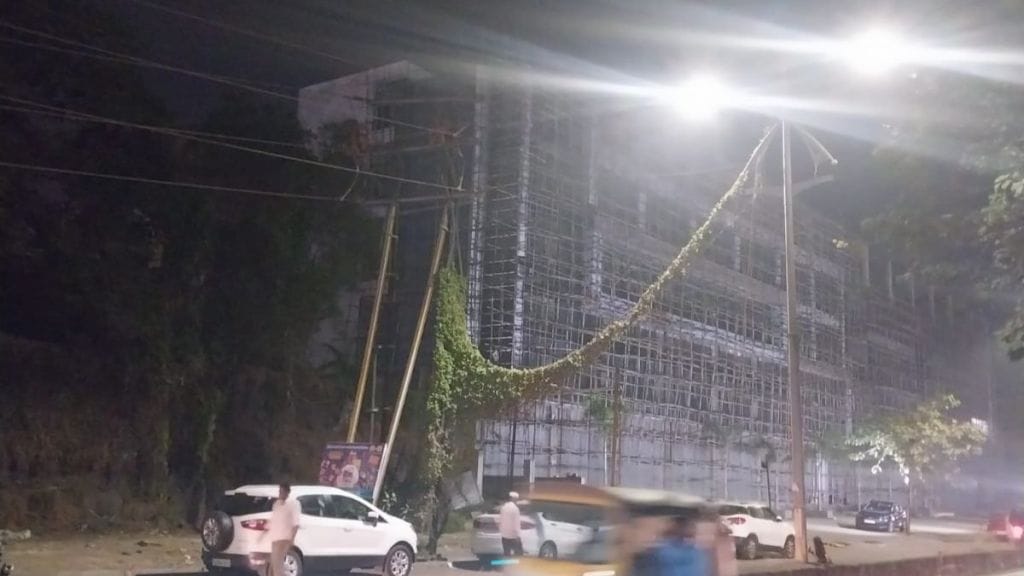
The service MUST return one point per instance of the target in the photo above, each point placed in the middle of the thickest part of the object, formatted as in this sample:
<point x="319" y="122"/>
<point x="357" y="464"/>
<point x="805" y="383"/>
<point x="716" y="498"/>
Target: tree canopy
<point x="148" y="328"/>
<point x="956" y="165"/>
<point x="923" y="442"/>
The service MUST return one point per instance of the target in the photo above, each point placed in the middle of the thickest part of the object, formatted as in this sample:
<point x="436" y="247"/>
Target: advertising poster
<point x="351" y="467"/>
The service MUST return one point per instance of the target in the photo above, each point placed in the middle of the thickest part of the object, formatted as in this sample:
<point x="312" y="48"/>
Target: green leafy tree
<point x="956" y="162"/>
<point x="924" y="443"/>
<point x="182" y="318"/>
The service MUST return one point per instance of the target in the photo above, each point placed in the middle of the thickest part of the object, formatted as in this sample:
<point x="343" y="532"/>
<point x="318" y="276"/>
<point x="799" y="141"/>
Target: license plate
<point x="221" y="562"/>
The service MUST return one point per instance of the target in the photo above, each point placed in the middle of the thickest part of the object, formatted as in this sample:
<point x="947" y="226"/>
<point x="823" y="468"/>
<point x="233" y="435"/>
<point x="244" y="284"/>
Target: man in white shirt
<point x="284" y="523"/>
<point x="509" y="526"/>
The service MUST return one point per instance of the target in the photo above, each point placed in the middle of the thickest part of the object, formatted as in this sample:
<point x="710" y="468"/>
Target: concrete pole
<point x="796" y="419"/>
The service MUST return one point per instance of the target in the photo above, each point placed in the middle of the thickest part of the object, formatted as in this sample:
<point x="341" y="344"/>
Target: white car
<point x="756" y="527"/>
<point x="338" y="531"/>
<point x="545" y="533"/>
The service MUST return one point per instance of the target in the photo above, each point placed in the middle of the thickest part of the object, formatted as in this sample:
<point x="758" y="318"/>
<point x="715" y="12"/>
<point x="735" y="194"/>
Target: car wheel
<point x="398" y="561"/>
<point x="789" y="548"/>
<point x="748" y="549"/>
<point x="217" y="531"/>
<point x="549" y="550"/>
<point x="292" y="563"/>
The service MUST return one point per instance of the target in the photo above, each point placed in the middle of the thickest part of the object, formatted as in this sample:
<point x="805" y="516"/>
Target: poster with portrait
<point x="351" y="467"/>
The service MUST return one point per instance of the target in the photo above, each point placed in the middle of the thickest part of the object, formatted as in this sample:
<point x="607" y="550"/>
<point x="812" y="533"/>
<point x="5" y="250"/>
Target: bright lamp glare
<point x="701" y="97"/>
<point x="875" y="52"/>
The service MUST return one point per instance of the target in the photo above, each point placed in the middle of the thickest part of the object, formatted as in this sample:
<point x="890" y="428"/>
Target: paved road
<point x="98" y="556"/>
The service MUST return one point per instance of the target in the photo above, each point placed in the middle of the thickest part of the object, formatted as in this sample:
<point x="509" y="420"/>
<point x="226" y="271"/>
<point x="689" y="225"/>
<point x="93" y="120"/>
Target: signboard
<point x="462" y="491"/>
<point x="351" y="467"/>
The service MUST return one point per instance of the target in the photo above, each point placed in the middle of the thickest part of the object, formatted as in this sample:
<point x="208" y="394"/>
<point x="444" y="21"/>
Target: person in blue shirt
<point x="677" y="553"/>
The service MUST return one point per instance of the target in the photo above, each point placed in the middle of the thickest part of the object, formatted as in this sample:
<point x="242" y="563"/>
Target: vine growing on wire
<point x="465" y="385"/>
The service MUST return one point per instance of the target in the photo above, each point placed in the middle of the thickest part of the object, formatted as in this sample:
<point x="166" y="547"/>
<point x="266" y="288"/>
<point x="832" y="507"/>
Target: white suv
<point x="338" y="531"/>
<point x="756" y="527"/>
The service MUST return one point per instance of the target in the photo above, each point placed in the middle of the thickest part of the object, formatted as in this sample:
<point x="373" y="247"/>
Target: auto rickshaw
<point x="602" y="531"/>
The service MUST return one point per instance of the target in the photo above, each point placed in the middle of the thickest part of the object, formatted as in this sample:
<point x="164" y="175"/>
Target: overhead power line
<point x="75" y="115"/>
<point x="119" y="57"/>
<point x="245" y="32"/>
<point x="70" y="115"/>
<point x="174" y="183"/>
<point x="217" y="187"/>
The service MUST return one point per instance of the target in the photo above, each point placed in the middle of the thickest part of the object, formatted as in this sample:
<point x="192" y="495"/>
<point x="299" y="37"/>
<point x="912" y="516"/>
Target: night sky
<point x="605" y="40"/>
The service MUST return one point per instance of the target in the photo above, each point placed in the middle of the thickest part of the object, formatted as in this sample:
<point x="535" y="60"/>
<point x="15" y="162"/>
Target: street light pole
<point x="796" y="419"/>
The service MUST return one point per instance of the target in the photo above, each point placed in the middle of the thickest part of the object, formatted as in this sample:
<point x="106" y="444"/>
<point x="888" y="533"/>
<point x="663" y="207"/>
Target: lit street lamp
<point x="872" y="53"/>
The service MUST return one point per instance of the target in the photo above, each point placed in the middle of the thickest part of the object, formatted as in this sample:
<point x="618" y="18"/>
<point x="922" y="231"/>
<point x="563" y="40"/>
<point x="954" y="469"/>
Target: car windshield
<point x="879" y="507"/>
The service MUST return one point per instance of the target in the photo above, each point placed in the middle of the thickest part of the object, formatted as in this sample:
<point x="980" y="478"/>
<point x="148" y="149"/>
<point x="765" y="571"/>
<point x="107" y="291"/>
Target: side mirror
<point x="372" y="517"/>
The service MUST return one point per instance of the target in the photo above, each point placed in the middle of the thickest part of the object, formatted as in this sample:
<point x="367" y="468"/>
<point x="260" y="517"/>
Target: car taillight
<point x="255" y="524"/>
<point x="736" y="521"/>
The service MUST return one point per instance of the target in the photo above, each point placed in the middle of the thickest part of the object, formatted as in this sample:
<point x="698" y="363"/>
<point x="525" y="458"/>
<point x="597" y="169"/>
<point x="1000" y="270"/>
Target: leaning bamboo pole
<point x="371" y="333"/>
<point x="421" y="322"/>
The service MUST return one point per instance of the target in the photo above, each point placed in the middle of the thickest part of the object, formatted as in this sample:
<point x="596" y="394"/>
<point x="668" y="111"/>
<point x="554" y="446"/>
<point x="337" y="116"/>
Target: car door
<point x="318" y="532"/>
<point x="362" y="540"/>
<point x="565" y="528"/>
<point x="762" y="526"/>
<point x="776" y="527"/>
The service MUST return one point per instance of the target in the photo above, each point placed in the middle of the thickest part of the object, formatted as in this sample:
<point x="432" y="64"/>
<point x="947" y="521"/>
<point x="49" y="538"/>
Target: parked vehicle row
<point x="551" y="531"/>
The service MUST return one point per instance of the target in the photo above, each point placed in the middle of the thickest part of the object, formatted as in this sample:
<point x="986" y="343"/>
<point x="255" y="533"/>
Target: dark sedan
<point x="882" y="516"/>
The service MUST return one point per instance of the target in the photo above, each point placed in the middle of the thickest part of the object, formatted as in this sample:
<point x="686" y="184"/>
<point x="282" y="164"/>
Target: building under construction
<point x="573" y="207"/>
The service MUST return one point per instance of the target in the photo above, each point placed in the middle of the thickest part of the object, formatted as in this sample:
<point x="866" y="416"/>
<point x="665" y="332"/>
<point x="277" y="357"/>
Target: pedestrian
<point x="677" y="554"/>
<point x="509" y="526"/>
<point x="716" y="539"/>
<point x="284" y="524"/>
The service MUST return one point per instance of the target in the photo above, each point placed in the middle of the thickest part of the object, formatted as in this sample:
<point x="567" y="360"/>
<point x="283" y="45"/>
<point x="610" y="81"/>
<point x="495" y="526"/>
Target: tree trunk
<point x="725" y="473"/>
<point x="910" y="503"/>
<point x="607" y="480"/>
<point x="438" y="520"/>
<point x="711" y="472"/>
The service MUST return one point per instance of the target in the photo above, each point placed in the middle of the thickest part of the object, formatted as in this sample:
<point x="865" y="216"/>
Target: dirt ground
<point x="128" y="553"/>
<point x="110" y="553"/>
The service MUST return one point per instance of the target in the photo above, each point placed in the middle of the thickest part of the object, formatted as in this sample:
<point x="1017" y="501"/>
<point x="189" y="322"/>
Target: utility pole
<point x="512" y="449"/>
<point x="617" y="429"/>
<point x="796" y="418"/>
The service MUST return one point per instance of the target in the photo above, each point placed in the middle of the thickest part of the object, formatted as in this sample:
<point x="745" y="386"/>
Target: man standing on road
<point x="284" y="523"/>
<point x="509" y="526"/>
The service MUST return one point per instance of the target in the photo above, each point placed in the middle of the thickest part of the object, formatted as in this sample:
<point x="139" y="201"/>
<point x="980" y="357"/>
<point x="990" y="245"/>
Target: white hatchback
<point x="338" y="531"/>
<point x="756" y="527"/>
<point x="547" y="529"/>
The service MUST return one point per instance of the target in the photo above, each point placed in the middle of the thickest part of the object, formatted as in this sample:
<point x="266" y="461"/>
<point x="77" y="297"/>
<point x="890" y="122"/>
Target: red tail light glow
<point x="736" y="521"/>
<point x="260" y="525"/>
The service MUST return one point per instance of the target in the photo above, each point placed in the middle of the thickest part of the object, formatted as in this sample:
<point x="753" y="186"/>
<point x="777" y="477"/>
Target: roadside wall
<point x="979" y="564"/>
